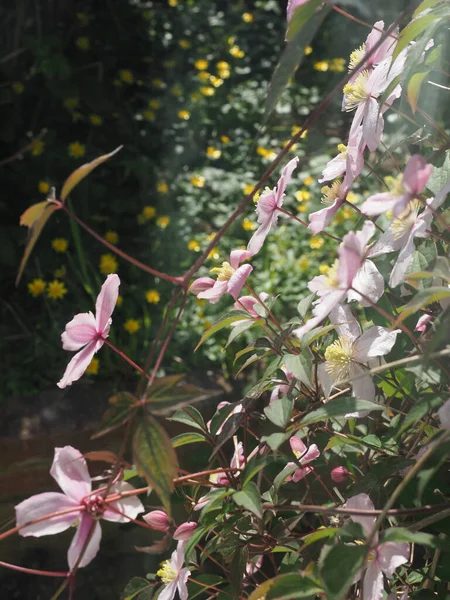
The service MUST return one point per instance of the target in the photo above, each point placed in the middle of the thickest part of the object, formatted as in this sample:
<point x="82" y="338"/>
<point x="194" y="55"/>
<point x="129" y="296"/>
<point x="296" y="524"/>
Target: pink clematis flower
<point x="384" y="51"/>
<point x="184" y="531"/>
<point x="349" y="357"/>
<point x="87" y="333"/>
<point x="281" y="390"/>
<point x="444" y="415"/>
<point x="230" y="278"/>
<point x="173" y="575"/>
<point x="333" y="287"/>
<point x="412" y="183"/>
<point x="423" y="323"/>
<point x="267" y="208"/>
<point x="384" y="559"/>
<point x="70" y="471"/>
<point x="304" y="456"/>
<point x="158" y="520"/>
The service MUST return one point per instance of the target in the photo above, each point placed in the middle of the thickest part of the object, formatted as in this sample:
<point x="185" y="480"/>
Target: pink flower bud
<point x="158" y="520"/>
<point x="339" y="474"/>
<point x="184" y="531"/>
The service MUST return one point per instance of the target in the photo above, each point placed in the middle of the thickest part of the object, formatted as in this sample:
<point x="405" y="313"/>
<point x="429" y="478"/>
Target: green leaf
<point x="194" y="589"/>
<point x="315" y="334"/>
<point x="339" y="567"/>
<point x="275" y="440"/>
<point x="421" y="299"/>
<point x="304" y="305"/>
<point x="187" y="438"/>
<point x="411" y="32"/>
<point x="414" y="87"/>
<point x="339" y="408"/>
<point x="237" y="569"/>
<point x="440" y="268"/>
<point x="117" y="414"/>
<point x="440" y="175"/>
<point x="236" y="331"/>
<point x="164" y="400"/>
<point x="319" y="535"/>
<point x="279" y="412"/>
<point x="218" y="326"/>
<point x="82" y="172"/>
<point x="189" y="416"/>
<point x="250" y="499"/>
<point x="300" y="365"/>
<point x="155" y="458"/>
<point x="425" y="5"/>
<point x="135" y="587"/>
<point x="300" y="18"/>
<point x="400" y="534"/>
<point x="253" y="468"/>
<point x="293" y="586"/>
<point x="419" y="410"/>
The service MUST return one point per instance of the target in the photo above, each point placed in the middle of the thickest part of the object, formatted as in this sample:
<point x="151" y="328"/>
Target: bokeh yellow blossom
<point x="126" y="76"/>
<point x="148" y="212"/>
<point x="112" y="237"/>
<point x="194" y="246"/>
<point x="173" y="2"/>
<point x="184" y="114"/>
<point x="76" y="150"/>
<point x="60" y="244"/>
<point x="225" y="139"/>
<point x="155" y="104"/>
<point x="83" y="43"/>
<point x="44" y="187"/>
<point x="323" y="269"/>
<point x="301" y="208"/>
<point x="308" y="181"/>
<point x="95" y="120"/>
<point x="215" y="81"/>
<point x="308" y="50"/>
<point x="36" y="287"/>
<point x="185" y="44"/>
<point x="207" y="91"/>
<point x="321" y="65"/>
<point x="93" y="366"/>
<point x="303" y="263"/>
<point x="37" y="147"/>
<point x="214" y="254"/>
<point x="149" y="115"/>
<point x="198" y="181"/>
<point x="213" y="152"/>
<point x="152" y="296"/>
<point x="60" y="273"/>
<point x="162" y="187"/>
<point x="302" y="195"/>
<point x="108" y="264"/>
<point x="248" y="224"/>
<point x="337" y="65"/>
<point x="236" y="52"/>
<point x="223" y="65"/>
<point x="56" y="290"/>
<point x="119" y="300"/>
<point x="316" y="242"/>
<point x="163" y="222"/>
<point x="266" y="153"/>
<point x="248" y="17"/>
<point x="201" y="64"/>
<point x="132" y="325"/>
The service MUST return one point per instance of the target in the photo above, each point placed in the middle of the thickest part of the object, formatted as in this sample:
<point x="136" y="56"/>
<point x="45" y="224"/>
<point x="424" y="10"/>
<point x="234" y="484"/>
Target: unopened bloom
<point x="248" y="304"/>
<point x="282" y="389"/>
<point x="422" y="323"/>
<point x="184" y="531"/>
<point x="173" y="575"/>
<point x="158" y="520"/>
<point x="444" y="415"/>
<point x="339" y="474"/>
<point x="84" y="507"/>
<point x="230" y="278"/>
<point x="267" y="208"/>
<point x="383" y="558"/>
<point x="412" y="183"/>
<point x="304" y="456"/>
<point x="87" y="333"/>
<point x="351" y="354"/>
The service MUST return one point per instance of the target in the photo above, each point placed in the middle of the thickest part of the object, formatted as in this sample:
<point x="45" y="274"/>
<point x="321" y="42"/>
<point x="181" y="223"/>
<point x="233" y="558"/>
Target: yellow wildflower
<point x="119" y="300"/>
<point x="132" y="325"/>
<point x="44" y="187"/>
<point x="321" y="65"/>
<point x="148" y="212"/>
<point x="194" y="246"/>
<point x="302" y="196"/>
<point x="223" y="65"/>
<point x="302" y="208"/>
<point x="126" y="76"/>
<point x="92" y="368"/>
<point x="163" y="222"/>
<point x="347" y="213"/>
<point x="18" y="87"/>
<point x="108" y="264"/>
<point x="224" y="73"/>
<point x="158" y="83"/>
<point x="337" y="65"/>
<point x="195" y="96"/>
<point x="225" y="139"/>
<point x="295" y="129"/>
<point x="56" y="290"/>
<point x="316" y="242"/>
<point x="154" y="104"/>
<point x="198" y="181"/>
<point x="201" y="64"/>
<point x="76" y="150"/>
<point x="60" y="244"/>
<point x="173" y="2"/>
<point x="152" y="296"/>
<point x="149" y="115"/>
<point x="96" y="120"/>
<point x="37" y="147"/>
<point x="112" y="237"/>
<point x="303" y="263"/>
<point x="248" y="187"/>
<point x="214" y="254"/>
<point x="323" y="269"/>
<point x="216" y="81"/>
<point x="352" y="198"/>
<point x="207" y="91"/>
<point x="204" y="76"/>
<point x="184" y="114"/>
<point x="308" y="181"/>
<point x="248" y="224"/>
<point x="162" y="187"/>
<point x="231" y="40"/>
<point x="213" y="153"/>
<point x="307" y="50"/>
<point x="236" y="52"/>
<point x="83" y="43"/>
<point x="184" y="44"/>
<point x="36" y="287"/>
<point x="248" y="17"/>
<point x="266" y="153"/>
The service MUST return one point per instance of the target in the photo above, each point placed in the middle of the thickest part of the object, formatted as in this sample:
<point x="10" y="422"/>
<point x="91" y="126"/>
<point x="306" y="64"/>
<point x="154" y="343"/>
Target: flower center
<point x="356" y="92"/>
<point x="338" y="356"/>
<point x="372" y="555"/>
<point x="224" y="273"/>
<point x="342" y="151"/>
<point x="167" y="572"/>
<point x="331" y="192"/>
<point x="95" y="506"/>
<point x="356" y="57"/>
<point x="395" y="185"/>
<point x="331" y="276"/>
<point x="402" y="224"/>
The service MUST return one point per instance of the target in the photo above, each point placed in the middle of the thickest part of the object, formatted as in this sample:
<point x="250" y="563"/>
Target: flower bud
<point x="184" y="531"/>
<point x="158" y="520"/>
<point x="339" y="474"/>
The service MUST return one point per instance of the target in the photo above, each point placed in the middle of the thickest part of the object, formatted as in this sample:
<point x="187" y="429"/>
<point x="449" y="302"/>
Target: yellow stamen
<point x="331" y="276"/>
<point x="331" y="192"/>
<point x="342" y="150"/>
<point x="356" y="93"/>
<point x="167" y="572"/>
<point x="224" y="273"/>
<point x="338" y="357"/>
<point x="356" y="57"/>
<point x="401" y="224"/>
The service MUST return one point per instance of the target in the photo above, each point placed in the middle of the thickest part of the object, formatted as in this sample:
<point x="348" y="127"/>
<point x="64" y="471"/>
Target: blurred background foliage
<point x="181" y="84"/>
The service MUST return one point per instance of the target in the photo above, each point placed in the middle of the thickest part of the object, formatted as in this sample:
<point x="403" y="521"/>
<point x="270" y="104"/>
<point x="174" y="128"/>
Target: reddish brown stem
<point x="33" y="571"/>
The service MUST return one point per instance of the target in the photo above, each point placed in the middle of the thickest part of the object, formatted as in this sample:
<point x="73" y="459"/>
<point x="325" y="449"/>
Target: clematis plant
<point x="87" y="333"/>
<point x="78" y="505"/>
<point x="384" y="558"/>
<point x="173" y="575"/>
<point x="304" y="456"/>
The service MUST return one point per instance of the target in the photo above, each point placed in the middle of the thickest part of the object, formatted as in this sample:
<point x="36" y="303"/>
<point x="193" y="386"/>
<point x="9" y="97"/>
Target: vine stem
<point x="126" y="358"/>
<point x="33" y="571"/>
<point x="292" y="216"/>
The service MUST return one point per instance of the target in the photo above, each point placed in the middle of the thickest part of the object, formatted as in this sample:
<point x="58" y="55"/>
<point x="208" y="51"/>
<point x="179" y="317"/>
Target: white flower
<point x="173" y="575"/>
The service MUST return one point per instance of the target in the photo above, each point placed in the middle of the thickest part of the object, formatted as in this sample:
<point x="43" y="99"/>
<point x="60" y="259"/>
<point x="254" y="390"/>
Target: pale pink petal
<point x="444" y="415"/>
<point x="300" y="473"/>
<point x="286" y="176"/>
<point x="350" y="260"/>
<point x="238" y="279"/>
<point x="355" y="155"/>
<point x="177" y="558"/>
<point x="238" y="256"/>
<point x="257" y="240"/>
<point x="312" y="453"/>
<point x="168" y="593"/>
<point x="361" y="502"/>
<point x="392" y="555"/>
<point x="334" y="168"/>
<point x="182" y="580"/>
<point x="76" y="547"/>
<point x="362" y="385"/>
<point x="369" y="282"/>
<point x="373" y="583"/>
<point x="106" y="301"/>
<point x="422" y="323"/>
<point x="403" y="260"/>
<point x="386" y="244"/>
<point x="185" y="531"/>
<point x="128" y="508"/>
<point x="41" y="505"/>
<point x="325" y="380"/>
<point x="248" y="303"/>
<point x="297" y="445"/>
<point x="201" y="285"/>
<point x="214" y="293"/>
<point x="346" y="324"/>
<point x="373" y="124"/>
<point x="326" y="304"/>
<point x="81" y="330"/>
<point x="375" y="341"/>
<point x="266" y="206"/>
<point x="379" y="203"/>
<point x="416" y="174"/>
<point x="70" y="471"/>
<point x="79" y="363"/>
<point x="321" y="218"/>
<point x="292" y="6"/>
